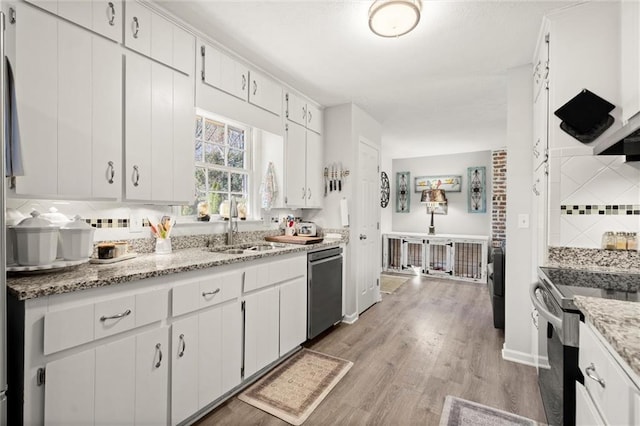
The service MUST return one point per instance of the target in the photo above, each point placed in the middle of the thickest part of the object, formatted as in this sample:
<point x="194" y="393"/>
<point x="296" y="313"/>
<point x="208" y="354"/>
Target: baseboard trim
<point x="517" y="356"/>
<point x="350" y="319"/>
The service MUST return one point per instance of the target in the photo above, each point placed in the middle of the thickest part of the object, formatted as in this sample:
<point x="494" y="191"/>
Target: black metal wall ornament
<point x="384" y="190"/>
<point x="403" y="201"/>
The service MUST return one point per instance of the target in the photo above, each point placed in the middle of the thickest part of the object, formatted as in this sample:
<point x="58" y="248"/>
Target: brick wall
<point x="499" y="201"/>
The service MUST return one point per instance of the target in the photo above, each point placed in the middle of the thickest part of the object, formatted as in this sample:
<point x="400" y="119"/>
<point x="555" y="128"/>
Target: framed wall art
<point x="450" y="183"/>
<point x="477" y="193"/>
<point x="403" y="200"/>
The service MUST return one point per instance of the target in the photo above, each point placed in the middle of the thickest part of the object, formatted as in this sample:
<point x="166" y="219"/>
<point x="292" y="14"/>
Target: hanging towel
<point x="269" y="187"/>
<point x="13" y="151"/>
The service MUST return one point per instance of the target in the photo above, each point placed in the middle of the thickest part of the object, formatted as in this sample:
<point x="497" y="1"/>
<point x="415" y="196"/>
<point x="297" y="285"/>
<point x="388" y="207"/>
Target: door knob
<point x="363" y="237"/>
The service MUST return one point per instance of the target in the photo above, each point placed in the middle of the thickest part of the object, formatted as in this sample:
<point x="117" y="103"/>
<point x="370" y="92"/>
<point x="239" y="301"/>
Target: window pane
<point x="215" y="199"/>
<point x="214" y="154"/>
<point x="213" y="131"/>
<point x="239" y="182"/>
<point x="199" y="151"/>
<point x="236" y="158"/>
<point x="236" y="138"/>
<point x="201" y="185"/>
<point x="218" y="180"/>
<point x="198" y="127"/>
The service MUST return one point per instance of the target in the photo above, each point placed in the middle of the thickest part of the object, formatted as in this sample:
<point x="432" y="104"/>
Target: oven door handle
<point x="555" y="321"/>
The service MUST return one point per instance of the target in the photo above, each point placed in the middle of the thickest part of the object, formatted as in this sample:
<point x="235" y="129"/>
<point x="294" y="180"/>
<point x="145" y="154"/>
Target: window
<point x="222" y="162"/>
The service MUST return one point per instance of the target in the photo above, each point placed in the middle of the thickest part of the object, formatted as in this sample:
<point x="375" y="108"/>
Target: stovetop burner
<point x="567" y="283"/>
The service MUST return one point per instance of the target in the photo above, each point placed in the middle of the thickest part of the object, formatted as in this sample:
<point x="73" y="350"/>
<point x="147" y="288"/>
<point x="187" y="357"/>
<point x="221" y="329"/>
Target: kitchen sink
<point x="233" y="251"/>
<point x="245" y="248"/>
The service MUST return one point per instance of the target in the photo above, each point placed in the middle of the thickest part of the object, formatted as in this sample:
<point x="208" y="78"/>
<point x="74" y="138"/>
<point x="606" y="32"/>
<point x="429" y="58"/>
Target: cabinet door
<point x="184" y="369"/>
<point x="107" y="18"/>
<point x="183" y="136"/>
<point x="231" y="344"/>
<point x="161" y="39"/>
<point x="152" y="377"/>
<point x="210" y="356"/>
<point x="138" y="128"/>
<point x="293" y="314"/>
<point x="314" y="118"/>
<point x="69" y="391"/>
<point x="137" y="30"/>
<point x="586" y="412"/>
<point x="74" y="110"/>
<point x="78" y="11"/>
<point x="314" y="156"/>
<point x="630" y="59"/>
<point x="265" y="93"/>
<point x="106" y="168"/>
<point x="183" y="50"/>
<point x="36" y="83"/>
<point x="296" y="109"/>
<point x="295" y="190"/>
<point x="261" y="330"/>
<point x="115" y="383"/>
<point x="225" y="73"/>
<point x="161" y="133"/>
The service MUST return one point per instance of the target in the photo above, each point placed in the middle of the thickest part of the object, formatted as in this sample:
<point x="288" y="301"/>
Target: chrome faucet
<point x="233" y="213"/>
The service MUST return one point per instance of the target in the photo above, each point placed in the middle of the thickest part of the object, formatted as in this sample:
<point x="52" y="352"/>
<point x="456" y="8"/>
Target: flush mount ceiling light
<point x="393" y="18"/>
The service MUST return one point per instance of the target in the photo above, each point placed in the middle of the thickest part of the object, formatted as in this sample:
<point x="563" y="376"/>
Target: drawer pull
<point x="210" y="293"/>
<point x="182" y="345"/>
<point x="116" y="316"/>
<point x="159" y="350"/>
<point x="592" y="369"/>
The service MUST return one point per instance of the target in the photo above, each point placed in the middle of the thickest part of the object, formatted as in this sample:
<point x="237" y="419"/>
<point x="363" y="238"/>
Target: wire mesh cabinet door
<point x="439" y="256"/>
<point x="470" y="261"/>
<point x="391" y="253"/>
<point x="412" y="254"/>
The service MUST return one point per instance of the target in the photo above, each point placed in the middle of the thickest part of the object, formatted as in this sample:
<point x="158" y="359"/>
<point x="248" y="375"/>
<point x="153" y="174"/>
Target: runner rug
<point x="297" y="386"/>
<point x="390" y="283"/>
<point x="458" y="411"/>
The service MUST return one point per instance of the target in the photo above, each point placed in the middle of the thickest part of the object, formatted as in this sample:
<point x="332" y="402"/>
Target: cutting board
<point x="294" y="239"/>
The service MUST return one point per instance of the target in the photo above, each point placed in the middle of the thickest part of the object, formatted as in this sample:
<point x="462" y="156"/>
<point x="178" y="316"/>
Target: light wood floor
<point x="430" y="339"/>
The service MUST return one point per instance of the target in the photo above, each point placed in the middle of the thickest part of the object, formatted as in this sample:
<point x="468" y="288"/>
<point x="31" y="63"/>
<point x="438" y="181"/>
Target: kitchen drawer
<point x="82" y="324"/>
<point x="256" y="277"/>
<point x="206" y="291"/>
<point x="586" y="412"/>
<point x="287" y="269"/>
<point x="608" y="385"/>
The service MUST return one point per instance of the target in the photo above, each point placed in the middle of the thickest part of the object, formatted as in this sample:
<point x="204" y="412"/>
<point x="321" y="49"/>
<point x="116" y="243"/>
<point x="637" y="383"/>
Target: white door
<point x="295" y="189"/>
<point x="184" y="369"/>
<point x="152" y="377"/>
<point x="137" y="28"/>
<point x="231" y="345"/>
<point x="368" y="213"/>
<point x="107" y="18"/>
<point x="314" y="170"/>
<point x="183" y="133"/>
<point x="161" y="167"/>
<point x="293" y="314"/>
<point x="115" y="383"/>
<point x="261" y="329"/>
<point x="209" y="356"/>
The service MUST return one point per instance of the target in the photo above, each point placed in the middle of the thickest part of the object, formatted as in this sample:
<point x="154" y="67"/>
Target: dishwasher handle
<point x="555" y="321"/>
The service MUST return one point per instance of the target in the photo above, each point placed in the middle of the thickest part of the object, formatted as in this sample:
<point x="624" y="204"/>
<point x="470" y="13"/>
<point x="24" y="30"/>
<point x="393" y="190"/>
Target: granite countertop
<point x="619" y="323"/>
<point x="86" y="276"/>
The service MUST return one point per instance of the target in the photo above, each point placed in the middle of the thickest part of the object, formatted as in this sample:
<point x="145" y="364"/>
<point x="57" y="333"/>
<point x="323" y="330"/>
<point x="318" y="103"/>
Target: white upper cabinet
<point x="265" y="93"/>
<point x="152" y="35"/>
<point x="303" y="168"/>
<point x="221" y="71"/>
<point x="299" y="110"/>
<point x="630" y="59"/>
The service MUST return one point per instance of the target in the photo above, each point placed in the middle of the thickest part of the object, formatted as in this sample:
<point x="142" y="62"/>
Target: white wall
<point x="517" y="345"/>
<point x="458" y="220"/>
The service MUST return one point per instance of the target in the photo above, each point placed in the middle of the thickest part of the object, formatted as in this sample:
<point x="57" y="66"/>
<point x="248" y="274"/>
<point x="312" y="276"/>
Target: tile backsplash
<point x="590" y="195"/>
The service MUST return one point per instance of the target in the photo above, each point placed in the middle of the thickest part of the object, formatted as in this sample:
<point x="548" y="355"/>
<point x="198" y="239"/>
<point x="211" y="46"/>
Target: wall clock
<point x="384" y="190"/>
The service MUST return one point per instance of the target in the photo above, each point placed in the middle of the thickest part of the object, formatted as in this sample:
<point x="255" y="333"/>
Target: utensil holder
<point x="163" y="245"/>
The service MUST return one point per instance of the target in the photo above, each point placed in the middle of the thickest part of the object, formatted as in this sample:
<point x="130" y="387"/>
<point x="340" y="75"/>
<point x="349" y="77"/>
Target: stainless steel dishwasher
<point x="324" y="295"/>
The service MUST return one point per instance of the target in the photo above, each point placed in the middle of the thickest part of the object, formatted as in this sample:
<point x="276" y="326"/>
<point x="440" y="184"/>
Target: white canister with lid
<point x="37" y="241"/>
<point x="77" y="239"/>
<point x="12" y="217"/>
<point x="57" y="219"/>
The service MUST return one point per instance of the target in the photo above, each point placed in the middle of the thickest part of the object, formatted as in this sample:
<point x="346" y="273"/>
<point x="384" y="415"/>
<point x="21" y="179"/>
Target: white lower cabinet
<point x="293" y="314"/>
<point x="261" y="327"/>
<point x="123" y="382"/>
<point x="184" y="369"/>
<point x="586" y="412"/>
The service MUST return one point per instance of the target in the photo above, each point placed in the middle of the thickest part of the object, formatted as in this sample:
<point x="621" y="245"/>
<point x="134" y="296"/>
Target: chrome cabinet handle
<point x="210" y="293"/>
<point x="244" y="82"/>
<point x="183" y="346"/>
<point x="304" y="192"/>
<point x="310" y="116"/>
<point x="363" y="237"/>
<point x="159" y="351"/>
<point x="111" y="171"/>
<point x="309" y="195"/>
<point x="136" y="176"/>
<point x="137" y="27"/>
<point x="112" y="9"/>
<point x="116" y="316"/>
<point x="255" y="87"/>
<point x="304" y="113"/>
<point x="592" y="369"/>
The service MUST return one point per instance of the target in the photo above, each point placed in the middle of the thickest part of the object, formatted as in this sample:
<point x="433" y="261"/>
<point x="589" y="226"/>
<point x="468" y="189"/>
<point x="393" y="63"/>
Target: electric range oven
<point x="558" y="330"/>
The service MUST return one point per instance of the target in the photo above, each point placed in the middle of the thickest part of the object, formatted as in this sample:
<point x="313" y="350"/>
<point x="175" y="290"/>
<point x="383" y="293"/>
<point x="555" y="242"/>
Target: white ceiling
<point x="440" y="89"/>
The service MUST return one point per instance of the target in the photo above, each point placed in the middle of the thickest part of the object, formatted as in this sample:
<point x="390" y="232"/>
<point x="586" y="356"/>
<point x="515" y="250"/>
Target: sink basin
<point x="233" y="251"/>
<point x="245" y="248"/>
<point x="261" y="247"/>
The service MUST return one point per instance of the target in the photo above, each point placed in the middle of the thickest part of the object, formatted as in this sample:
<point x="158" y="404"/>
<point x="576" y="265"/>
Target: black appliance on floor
<point x="324" y="290"/>
<point x="559" y="326"/>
